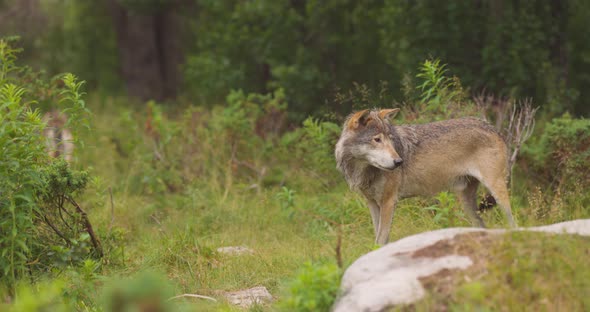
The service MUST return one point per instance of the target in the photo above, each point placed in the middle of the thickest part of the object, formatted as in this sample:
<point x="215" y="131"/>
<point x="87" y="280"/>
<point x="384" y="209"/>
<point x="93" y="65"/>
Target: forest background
<point x="200" y="124"/>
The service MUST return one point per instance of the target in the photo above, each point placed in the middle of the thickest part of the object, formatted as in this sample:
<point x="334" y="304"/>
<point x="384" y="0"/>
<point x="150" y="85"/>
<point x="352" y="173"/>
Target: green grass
<point x="152" y="228"/>
<point x="178" y="233"/>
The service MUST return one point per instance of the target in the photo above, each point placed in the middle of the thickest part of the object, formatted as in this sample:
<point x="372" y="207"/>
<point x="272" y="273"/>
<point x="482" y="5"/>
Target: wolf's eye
<point x="378" y="140"/>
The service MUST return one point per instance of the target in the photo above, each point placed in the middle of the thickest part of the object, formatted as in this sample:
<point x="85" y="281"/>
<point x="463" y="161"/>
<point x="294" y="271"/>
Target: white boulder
<point x="393" y="274"/>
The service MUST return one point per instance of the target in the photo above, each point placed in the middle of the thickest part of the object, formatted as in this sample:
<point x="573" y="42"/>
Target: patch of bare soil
<point x="476" y="245"/>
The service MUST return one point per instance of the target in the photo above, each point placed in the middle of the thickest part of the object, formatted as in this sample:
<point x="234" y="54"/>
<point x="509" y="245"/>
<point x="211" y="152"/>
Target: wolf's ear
<point x="387" y="114"/>
<point x="357" y="119"/>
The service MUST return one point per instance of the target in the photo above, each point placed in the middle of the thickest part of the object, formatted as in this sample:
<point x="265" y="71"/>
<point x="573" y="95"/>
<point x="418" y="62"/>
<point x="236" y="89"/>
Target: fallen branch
<point x="57" y="231"/>
<point x="88" y="226"/>
<point x="338" y="247"/>
<point x="61" y="216"/>
<point x="112" y="211"/>
<point x="193" y="296"/>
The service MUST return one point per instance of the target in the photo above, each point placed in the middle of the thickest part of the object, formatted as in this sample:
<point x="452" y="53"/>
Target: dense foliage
<point x="314" y="288"/>
<point x="311" y="49"/>
<point x="35" y="189"/>
<point x="22" y="151"/>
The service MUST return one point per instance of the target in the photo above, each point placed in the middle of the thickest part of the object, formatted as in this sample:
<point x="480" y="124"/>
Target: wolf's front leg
<point x="386" y="218"/>
<point x="375" y="211"/>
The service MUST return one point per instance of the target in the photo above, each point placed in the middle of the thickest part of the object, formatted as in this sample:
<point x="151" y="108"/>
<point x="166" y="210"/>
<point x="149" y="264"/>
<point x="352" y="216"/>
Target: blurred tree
<point x="23" y="18"/>
<point x="312" y="48"/>
<point x="308" y="47"/>
<point x="149" y="46"/>
<point x="577" y="47"/>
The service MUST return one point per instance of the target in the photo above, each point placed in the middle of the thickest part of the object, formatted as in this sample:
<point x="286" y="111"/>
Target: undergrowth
<point x="168" y="185"/>
<point x="41" y="224"/>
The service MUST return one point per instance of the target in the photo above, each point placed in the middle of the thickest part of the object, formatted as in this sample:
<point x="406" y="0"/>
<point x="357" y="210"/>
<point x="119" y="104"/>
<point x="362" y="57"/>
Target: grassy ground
<point x="152" y="226"/>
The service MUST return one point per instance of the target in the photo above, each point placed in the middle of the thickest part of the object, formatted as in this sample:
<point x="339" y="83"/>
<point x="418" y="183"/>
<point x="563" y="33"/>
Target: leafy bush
<point x="144" y="292"/>
<point x="22" y="150"/>
<point x="227" y="144"/>
<point x="63" y="227"/>
<point x="446" y="211"/>
<point x="560" y="159"/>
<point x="313" y="146"/>
<point x="314" y="289"/>
<point x="245" y="143"/>
<point x="286" y="199"/>
<point x="441" y="97"/>
<point x="31" y="183"/>
<point x="44" y="296"/>
<point x="437" y="89"/>
<point x="563" y="153"/>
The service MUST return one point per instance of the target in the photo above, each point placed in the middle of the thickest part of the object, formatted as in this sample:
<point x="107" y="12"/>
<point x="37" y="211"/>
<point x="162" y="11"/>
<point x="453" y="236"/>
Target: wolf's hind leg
<point x="500" y="193"/>
<point x="468" y="197"/>
<point x="499" y="190"/>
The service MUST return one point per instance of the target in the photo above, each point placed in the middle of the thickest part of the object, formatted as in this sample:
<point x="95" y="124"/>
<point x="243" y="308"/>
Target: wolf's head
<point x="367" y="137"/>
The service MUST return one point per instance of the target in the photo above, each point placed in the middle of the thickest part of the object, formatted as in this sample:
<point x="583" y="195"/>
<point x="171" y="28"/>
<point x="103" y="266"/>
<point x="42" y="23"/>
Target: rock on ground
<point x="396" y="273"/>
<point x="248" y="297"/>
<point x="235" y="250"/>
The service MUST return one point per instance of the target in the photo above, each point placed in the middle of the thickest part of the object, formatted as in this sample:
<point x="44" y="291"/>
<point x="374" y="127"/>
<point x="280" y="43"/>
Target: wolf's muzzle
<point x="396" y="163"/>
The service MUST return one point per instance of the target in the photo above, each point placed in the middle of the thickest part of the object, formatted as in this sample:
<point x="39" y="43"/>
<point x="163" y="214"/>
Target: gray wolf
<point x="59" y="139"/>
<point x="386" y="162"/>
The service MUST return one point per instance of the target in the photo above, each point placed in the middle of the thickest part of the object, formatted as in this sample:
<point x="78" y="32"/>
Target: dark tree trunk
<point x="171" y="51"/>
<point x="496" y="9"/>
<point x="149" y="51"/>
<point x="559" y="9"/>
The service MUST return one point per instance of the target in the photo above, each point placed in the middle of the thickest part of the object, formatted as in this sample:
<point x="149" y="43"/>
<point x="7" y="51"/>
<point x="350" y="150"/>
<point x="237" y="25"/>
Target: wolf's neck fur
<point x="405" y="141"/>
<point x="361" y="176"/>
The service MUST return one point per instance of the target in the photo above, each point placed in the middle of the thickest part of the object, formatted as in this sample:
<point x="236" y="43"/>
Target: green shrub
<point x="248" y="143"/>
<point x="144" y="292"/>
<point x="314" y="289"/>
<point x="227" y="145"/>
<point x="562" y="152"/>
<point x="62" y="226"/>
<point x="22" y="154"/>
<point x="286" y="199"/>
<point x="311" y="149"/>
<point x="437" y="89"/>
<point x="43" y="296"/>
<point x="32" y="183"/>
<point x="245" y="143"/>
<point x="441" y="97"/>
<point x="446" y="212"/>
<point x="560" y="160"/>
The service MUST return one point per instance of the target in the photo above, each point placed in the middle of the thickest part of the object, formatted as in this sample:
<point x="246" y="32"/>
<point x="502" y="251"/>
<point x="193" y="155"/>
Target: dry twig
<point x="520" y="128"/>
<point x="88" y="226"/>
<point x="112" y="211"/>
<point x="193" y="296"/>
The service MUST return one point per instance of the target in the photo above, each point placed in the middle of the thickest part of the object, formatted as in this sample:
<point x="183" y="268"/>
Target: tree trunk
<point x="559" y="10"/>
<point x="149" y="51"/>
